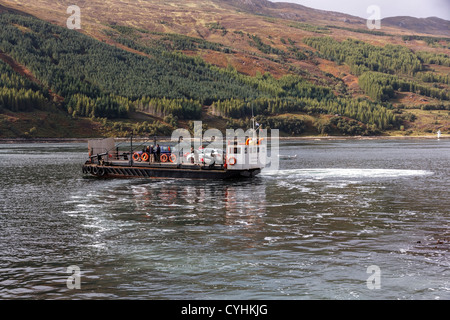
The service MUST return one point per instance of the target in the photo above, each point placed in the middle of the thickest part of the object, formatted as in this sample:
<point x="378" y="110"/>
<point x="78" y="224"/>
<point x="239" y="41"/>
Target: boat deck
<point x="142" y="164"/>
<point x="168" y="165"/>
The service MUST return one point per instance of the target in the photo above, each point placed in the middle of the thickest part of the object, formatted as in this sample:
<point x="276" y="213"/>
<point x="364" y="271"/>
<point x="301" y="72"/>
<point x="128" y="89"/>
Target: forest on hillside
<point x="382" y="70"/>
<point x="18" y="93"/>
<point x="98" y="80"/>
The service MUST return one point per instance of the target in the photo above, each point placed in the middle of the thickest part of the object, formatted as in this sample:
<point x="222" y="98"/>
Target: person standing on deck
<point x="150" y="152"/>
<point x="157" y="153"/>
<point x="147" y="150"/>
<point x="194" y="152"/>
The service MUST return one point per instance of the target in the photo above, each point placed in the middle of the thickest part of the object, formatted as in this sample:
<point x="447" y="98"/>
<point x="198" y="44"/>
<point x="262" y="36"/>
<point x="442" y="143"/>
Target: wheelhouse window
<point x="235" y="150"/>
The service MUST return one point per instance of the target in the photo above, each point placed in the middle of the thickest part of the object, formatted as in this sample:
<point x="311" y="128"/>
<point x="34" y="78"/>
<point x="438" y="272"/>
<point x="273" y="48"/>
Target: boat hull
<point x="167" y="172"/>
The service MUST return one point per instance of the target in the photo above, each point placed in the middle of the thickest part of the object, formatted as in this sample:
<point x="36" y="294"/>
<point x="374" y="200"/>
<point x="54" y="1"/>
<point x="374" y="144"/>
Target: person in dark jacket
<point x="148" y="151"/>
<point x="157" y="153"/>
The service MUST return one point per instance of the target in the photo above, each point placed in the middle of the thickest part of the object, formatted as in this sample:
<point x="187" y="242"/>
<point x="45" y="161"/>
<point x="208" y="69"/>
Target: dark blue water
<point x="307" y="231"/>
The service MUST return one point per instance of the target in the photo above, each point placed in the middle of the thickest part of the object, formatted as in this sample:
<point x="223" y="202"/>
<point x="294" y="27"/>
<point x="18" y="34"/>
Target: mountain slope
<point x="293" y="11"/>
<point x="432" y="25"/>
<point x="173" y="62"/>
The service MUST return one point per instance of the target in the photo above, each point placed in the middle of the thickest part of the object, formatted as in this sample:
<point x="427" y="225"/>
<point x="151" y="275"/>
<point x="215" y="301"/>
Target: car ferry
<point x="240" y="159"/>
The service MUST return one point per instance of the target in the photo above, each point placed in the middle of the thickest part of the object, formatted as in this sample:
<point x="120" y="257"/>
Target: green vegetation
<point x="144" y="128"/>
<point x="217" y="26"/>
<point x="17" y="93"/>
<point x="263" y="47"/>
<point x="366" y="31"/>
<point x="173" y="42"/>
<point x="179" y="108"/>
<point x="384" y="70"/>
<point x="432" y="77"/>
<point x="164" y="41"/>
<point x="287" y="124"/>
<point x="163" y="87"/>
<point x="309" y="27"/>
<point x="101" y="107"/>
<point x="362" y="57"/>
<point x="290" y="124"/>
<point x="381" y="87"/>
<point x="362" y="110"/>
<point x="431" y="41"/>
<point x="21" y="99"/>
<point x="434" y="58"/>
<point x="94" y="76"/>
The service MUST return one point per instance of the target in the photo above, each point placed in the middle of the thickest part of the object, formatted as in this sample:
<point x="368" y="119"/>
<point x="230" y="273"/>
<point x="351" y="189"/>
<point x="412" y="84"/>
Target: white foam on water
<point x="344" y="173"/>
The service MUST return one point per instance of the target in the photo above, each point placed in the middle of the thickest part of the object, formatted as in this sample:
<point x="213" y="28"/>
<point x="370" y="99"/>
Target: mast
<point x="131" y="149"/>
<point x="253" y="126"/>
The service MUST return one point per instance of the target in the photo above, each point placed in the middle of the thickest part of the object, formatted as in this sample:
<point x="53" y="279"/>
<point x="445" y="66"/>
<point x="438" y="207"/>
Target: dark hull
<point x="167" y="172"/>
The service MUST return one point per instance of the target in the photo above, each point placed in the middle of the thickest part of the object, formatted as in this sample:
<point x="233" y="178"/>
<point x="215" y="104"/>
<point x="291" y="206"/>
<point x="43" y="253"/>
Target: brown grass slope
<point x="229" y="22"/>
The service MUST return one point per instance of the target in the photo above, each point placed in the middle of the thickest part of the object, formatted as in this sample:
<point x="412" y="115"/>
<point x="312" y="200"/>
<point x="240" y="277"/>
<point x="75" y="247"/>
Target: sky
<point x="388" y="8"/>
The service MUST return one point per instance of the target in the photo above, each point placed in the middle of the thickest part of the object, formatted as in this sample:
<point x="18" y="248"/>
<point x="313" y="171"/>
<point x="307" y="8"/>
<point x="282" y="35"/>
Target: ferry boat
<point x="240" y="160"/>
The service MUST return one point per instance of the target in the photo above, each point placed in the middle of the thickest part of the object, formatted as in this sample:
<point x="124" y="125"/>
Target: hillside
<point x="433" y="25"/>
<point x="151" y="66"/>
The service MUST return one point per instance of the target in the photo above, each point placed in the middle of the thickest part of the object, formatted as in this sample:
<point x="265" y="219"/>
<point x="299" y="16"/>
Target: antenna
<point x="253" y="126"/>
<point x="253" y="119"/>
<point x="131" y="148"/>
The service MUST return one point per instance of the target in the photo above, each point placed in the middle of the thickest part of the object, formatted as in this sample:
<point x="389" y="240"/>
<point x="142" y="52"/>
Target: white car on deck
<point x="206" y="155"/>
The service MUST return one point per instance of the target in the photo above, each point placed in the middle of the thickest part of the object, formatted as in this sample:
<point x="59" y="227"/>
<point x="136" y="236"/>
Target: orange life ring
<point x="260" y="140"/>
<point x="232" y="161"/>
<point x="173" y="158"/>
<point x="247" y="142"/>
<point x="164" y="157"/>
<point x="136" y="156"/>
<point x="145" y="156"/>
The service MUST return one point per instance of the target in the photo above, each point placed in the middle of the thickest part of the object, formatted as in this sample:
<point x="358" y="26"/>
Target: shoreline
<point x="363" y="137"/>
<point x="165" y="139"/>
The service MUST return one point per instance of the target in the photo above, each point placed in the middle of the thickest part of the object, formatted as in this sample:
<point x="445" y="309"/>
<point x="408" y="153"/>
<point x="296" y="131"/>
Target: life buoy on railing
<point x="247" y="142"/>
<point x="164" y="157"/>
<point x="260" y="140"/>
<point x="145" y="157"/>
<point x="232" y="161"/>
<point x="136" y="156"/>
<point x="173" y="158"/>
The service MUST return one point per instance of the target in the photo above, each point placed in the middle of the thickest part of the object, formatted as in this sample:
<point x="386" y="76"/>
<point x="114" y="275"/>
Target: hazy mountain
<point x="292" y="11"/>
<point x="432" y="25"/>
<point x="285" y="10"/>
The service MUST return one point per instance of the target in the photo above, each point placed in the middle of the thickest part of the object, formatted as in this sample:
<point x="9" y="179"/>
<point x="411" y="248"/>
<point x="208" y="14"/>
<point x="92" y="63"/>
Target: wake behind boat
<point x="287" y="157"/>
